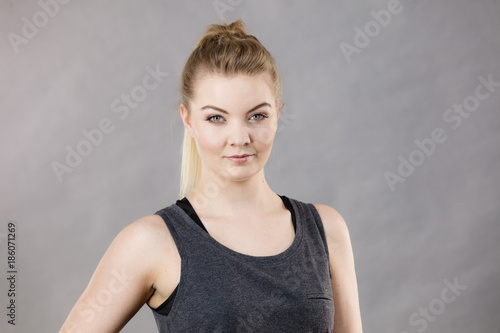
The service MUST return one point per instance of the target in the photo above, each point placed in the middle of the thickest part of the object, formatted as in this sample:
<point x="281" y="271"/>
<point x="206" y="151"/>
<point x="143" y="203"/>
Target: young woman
<point x="230" y="255"/>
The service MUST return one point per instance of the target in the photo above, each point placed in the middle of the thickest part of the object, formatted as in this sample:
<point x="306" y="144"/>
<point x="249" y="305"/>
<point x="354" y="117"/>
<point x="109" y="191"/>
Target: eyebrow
<point x="224" y="111"/>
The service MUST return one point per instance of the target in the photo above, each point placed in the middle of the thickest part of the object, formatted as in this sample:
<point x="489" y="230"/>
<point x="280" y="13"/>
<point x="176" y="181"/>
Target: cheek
<point x="264" y="135"/>
<point x="209" y="140"/>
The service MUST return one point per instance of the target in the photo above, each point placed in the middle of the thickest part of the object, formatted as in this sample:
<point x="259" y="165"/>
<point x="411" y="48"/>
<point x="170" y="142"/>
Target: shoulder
<point x="342" y="269"/>
<point x="146" y="226"/>
<point x="141" y="240"/>
<point x="148" y="231"/>
<point x="336" y="230"/>
<point x="141" y="248"/>
<point x="143" y="230"/>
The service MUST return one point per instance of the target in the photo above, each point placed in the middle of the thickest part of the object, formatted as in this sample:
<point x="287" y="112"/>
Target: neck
<point x="246" y="197"/>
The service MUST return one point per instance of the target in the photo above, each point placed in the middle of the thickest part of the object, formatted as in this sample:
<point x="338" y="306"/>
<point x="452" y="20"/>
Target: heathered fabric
<point x="221" y="290"/>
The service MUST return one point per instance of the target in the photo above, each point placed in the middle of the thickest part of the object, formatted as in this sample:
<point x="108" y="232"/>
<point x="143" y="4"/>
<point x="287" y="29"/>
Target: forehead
<point x="228" y="90"/>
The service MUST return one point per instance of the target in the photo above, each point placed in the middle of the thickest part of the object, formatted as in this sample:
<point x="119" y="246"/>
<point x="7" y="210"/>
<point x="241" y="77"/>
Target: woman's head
<point x="227" y="50"/>
<point x="232" y="73"/>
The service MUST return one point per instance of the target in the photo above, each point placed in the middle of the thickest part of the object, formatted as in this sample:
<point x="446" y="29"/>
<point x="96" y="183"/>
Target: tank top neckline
<point x="191" y="217"/>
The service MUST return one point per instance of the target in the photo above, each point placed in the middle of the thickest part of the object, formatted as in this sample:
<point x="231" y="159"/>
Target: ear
<point x="185" y="119"/>
<point x="281" y="105"/>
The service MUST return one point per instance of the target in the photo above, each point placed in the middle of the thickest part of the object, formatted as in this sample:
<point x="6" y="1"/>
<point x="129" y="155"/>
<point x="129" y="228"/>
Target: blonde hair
<point x="224" y="49"/>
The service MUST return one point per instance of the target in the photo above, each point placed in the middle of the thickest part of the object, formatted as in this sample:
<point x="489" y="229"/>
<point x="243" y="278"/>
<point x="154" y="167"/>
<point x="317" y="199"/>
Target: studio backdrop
<point x="392" y="117"/>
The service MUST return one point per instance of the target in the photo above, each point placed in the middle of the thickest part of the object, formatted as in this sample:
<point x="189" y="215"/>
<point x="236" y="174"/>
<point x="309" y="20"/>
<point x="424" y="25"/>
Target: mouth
<point x="239" y="158"/>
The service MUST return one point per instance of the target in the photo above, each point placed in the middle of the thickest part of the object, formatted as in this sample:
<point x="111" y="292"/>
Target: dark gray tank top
<point x="221" y="290"/>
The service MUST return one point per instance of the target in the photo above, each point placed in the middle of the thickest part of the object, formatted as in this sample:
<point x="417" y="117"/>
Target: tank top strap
<point x="314" y="232"/>
<point x="310" y="213"/>
<point x="182" y="228"/>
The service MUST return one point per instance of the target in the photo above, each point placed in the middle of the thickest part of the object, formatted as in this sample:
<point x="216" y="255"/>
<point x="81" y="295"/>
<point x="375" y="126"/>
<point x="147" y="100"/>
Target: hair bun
<point x="236" y="27"/>
<point x="219" y="31"/>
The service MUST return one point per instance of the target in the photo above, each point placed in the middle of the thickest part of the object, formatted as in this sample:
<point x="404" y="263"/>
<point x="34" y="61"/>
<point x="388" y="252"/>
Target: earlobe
<point x="281" y="106"/>
<point x="185" y="119"/>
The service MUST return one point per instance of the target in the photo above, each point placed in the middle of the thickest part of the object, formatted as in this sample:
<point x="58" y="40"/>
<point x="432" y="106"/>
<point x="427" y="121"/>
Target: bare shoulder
<point x="336" y="230"/>
<point x="141" y="243"/>
<point x="147" y="227"/>
<point x="146" y="234"/>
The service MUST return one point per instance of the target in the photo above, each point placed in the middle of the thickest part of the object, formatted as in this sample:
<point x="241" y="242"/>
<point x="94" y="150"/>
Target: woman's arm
<point x="122" y="282"/>
<point x="345" y="289"/>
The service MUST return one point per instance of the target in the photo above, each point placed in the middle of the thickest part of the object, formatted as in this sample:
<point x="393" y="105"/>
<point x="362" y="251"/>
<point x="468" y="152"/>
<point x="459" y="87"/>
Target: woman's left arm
<point x="344" y="285"/>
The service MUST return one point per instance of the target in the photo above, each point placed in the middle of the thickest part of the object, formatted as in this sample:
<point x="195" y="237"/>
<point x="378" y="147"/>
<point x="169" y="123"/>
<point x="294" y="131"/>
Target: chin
<point x="240" y="173"/>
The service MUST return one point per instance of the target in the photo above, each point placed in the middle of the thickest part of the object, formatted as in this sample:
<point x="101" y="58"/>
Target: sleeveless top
<point x="221" y="290"/>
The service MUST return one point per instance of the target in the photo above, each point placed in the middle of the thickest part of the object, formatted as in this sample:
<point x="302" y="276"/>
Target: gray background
<point x="346" y="125"/>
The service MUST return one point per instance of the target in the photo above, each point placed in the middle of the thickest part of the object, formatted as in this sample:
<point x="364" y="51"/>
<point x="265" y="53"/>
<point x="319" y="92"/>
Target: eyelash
<point x="209" y="119"/>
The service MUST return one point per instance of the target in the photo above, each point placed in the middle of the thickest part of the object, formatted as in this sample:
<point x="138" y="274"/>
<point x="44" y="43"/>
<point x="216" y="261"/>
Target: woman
<point x="231" y="255"/>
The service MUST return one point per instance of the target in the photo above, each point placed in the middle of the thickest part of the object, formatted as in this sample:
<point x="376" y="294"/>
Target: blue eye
<point x="262" y="116"/>
<point x="219" y="119"/>
<point x="214" y="121"/>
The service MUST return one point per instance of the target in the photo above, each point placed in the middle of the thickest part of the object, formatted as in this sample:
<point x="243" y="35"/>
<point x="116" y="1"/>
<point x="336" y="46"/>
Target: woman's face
<point x="232" y="115"/>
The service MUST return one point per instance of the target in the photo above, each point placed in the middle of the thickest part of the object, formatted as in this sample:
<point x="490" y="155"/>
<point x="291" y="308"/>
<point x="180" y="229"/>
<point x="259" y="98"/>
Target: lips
<point x="239" y="156"/>
<point x="239" y="159"/>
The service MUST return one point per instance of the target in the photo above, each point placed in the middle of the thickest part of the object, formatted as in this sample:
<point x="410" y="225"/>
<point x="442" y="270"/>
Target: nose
<point x="239" y="134"/>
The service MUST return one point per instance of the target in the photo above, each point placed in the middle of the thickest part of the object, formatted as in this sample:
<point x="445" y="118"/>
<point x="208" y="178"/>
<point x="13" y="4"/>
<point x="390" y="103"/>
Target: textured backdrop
<point x="392" y="117"/>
